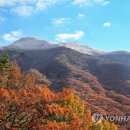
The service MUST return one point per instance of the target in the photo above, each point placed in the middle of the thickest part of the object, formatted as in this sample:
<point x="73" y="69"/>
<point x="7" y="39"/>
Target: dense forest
<point x="26" y="105"/>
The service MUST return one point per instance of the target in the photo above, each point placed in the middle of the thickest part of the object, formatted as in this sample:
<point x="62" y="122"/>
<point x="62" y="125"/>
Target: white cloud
<point x="6" y="2"/>
<point x="23" y="10"/>
<point x="43" y="4"/>
<point x="81" y="2"/>
<point x="80" y="15"/>
<point x="90" y="2"/>
<point x="60" y="21"/>
<point x="69" y="36"/>
<point x="27" y="7"/>
<point x="107" y="24"/>
<point x="32" y="6"/>
<point x="102" y="2"/>
<point x="12" y="36"/>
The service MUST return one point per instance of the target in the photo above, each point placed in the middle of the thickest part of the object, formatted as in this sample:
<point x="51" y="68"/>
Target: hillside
<point x="101" y="81"/>
<point x="24" y="104"/>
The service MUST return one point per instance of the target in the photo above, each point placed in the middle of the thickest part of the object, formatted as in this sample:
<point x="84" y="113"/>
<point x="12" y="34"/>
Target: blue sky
<point x="103" y="24"/>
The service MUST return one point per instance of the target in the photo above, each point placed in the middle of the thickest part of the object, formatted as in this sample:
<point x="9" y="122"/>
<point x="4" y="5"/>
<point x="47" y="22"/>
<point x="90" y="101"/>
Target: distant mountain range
<point x="100" y="78"/>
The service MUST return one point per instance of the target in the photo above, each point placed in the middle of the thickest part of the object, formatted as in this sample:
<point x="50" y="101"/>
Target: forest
<point x="26" y="105"/>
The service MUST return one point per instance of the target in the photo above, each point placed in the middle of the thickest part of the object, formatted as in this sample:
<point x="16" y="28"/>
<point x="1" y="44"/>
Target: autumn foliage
<point x="26" y="106"/>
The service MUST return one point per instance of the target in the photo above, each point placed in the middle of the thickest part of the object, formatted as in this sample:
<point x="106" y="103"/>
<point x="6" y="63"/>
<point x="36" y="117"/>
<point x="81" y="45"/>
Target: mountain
<point x="102" y="80"/>
<point x="117" y="56"/>
<point x="32" y="43"/>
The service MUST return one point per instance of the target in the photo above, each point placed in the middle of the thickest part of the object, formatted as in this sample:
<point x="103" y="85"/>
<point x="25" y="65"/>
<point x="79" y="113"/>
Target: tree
<point x="14" y="76"/>
<point x="5" y="65"/>
<point x="103" y="126"/>
<point x="25" y="105"/>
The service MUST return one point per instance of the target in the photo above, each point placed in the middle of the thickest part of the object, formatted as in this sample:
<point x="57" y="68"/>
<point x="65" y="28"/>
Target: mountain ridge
<point x="72" y="45"/>
<point x="32" y="43"/>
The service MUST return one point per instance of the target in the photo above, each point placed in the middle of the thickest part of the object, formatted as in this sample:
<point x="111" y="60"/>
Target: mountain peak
<point x="27" y="38"/>
<point x="33" y="43"/>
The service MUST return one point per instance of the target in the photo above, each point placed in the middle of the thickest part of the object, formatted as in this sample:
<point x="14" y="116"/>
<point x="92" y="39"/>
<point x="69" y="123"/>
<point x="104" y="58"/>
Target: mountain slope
<point x="59" y="63"/>
<point x="103" y="85"/>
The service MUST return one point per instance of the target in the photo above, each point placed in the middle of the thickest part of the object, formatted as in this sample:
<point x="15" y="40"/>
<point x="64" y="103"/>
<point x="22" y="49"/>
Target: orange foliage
<point x="26" y="106"/>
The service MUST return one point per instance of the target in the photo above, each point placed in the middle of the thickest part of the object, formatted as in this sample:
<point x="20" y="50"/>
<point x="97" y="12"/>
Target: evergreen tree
<point x="5" y="65"/>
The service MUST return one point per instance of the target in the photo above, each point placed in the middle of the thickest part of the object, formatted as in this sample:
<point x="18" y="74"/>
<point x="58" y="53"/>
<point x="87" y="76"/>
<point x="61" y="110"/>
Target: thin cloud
<point x="23" y="11"/>
<point x="107" y="24"/>
<point x="27" y="7"/>
<point x="60" y="21"/>
<point x="80" y="16"/>
<point x="69" y="36"/>
<point x="102" y="2"/>
<point x="90" y="2"/>
<point x="12" y="36"/>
